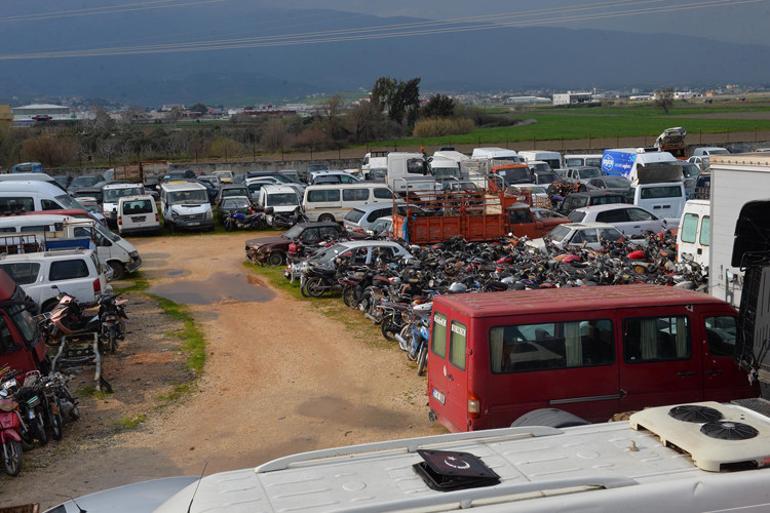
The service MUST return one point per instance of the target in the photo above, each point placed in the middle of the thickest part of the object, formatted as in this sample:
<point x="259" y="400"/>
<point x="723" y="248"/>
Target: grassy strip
<point x="332" y="307"/>
<point x="193" y="340"/>
<point x="130" y="422"/>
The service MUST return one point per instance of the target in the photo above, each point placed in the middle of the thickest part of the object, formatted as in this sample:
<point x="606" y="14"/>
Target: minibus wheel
<point x="549" y="417"/>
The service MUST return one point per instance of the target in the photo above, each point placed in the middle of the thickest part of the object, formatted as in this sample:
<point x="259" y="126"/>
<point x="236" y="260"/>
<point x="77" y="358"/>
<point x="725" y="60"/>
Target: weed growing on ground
<point x="130" y="422"/>
<point x="193" y="340"/>
<point x="91" y="391"/>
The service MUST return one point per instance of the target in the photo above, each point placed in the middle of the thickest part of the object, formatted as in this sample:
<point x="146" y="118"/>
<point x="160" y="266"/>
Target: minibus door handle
<point x="622" y="393"/>
<point x="685" y="374"/>
<point x="450" y="377"/>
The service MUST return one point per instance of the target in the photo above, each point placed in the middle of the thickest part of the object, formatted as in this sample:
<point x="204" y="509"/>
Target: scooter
<point x="10" y="429"/>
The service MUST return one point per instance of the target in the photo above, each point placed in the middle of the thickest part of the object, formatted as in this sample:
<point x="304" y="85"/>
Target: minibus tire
<point x="326" y="218"/>
<point x="549" y="417"/>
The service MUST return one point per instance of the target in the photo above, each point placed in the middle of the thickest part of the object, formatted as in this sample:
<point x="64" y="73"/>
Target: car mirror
<point x="269" y="210"/>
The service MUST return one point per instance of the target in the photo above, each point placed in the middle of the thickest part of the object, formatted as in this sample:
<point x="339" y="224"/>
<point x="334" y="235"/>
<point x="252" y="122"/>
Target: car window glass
<point x="355" y="194"/>
<point x="438" y="339"/>
<point x="310" y="235"/>
<point x="652" y="339"/>
<point x="585" y="236"/>
<point x="11" y="205"/>
<point x="457" y="343"/>
<point x="68" y="270"/>
<point x="37" y="228"/>
<point x="619" y="215"/>
<point x="46" y="204"/>
<point x="323" y="195"/>
<point x="534" y="347"/>
<point x="609" y="234"/>
<point x="329" y="231"/>
<point x="376" y="214"/>
<point x="23" y="273"/>
<point x="381" y="193"/>
<point x="637" y="214"/>
<point x="689" y="229"/>
<point x="720" y="335"/>
<point x="705" y="231"/>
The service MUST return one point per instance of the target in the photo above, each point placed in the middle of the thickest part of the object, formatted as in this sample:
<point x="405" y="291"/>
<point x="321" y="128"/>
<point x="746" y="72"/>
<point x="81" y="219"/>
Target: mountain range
<point x="501" y="59"/>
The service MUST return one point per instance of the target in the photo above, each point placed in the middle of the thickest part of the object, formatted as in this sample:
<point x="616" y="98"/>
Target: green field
<point x="610" y="121"/>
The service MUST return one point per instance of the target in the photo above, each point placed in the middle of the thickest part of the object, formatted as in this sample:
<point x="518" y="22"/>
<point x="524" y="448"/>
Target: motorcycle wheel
<point x="57" y="425"/>
<point x="388" y="328"/>
<point x="313" y="288"/>
<point x="406" y="335"/>
<point x="349" y="297"/>
<point x="422" y="360"/>
<point x="12" y="457"/>
<point x="38" y="429"/>
<point x="112" y="344"/>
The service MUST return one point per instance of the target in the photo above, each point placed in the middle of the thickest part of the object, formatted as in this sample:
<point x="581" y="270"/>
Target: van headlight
<point x="209" y="214"/>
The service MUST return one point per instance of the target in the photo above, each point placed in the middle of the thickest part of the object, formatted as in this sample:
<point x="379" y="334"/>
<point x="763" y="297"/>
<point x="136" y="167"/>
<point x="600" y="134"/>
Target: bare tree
<point x="664" y="99"/>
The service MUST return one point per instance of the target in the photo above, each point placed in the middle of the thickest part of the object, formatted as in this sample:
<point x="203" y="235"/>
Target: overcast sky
<point x="747" y="23"/>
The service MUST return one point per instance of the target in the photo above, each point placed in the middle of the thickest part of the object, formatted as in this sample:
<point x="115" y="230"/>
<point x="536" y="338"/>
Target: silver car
<point x="583" y="234"/>
<point x="631" y="220"/>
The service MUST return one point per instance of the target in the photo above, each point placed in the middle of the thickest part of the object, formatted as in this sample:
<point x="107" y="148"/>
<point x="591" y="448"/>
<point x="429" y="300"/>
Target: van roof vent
<point x="694" y="413"/>
<point x="445" y="471"/>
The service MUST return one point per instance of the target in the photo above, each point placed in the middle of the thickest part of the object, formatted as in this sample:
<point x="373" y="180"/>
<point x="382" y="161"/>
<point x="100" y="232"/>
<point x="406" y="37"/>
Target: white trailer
<point x="735" y="180"/>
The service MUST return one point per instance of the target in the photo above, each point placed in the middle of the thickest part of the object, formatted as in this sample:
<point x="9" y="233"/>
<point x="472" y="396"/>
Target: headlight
<point x="134" y="254"/>
<point x="209" y="214"/>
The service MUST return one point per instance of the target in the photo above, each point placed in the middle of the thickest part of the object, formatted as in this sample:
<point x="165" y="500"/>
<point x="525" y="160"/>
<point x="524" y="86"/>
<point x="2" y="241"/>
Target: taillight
<point x="97" y="285"/>
<point x="120" y="220"/>
<point x="474" y="406"/>
<point x="157" y="217"/>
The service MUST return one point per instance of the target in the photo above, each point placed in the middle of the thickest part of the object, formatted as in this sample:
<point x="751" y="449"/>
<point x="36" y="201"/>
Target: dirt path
<point x="280" y="378"/>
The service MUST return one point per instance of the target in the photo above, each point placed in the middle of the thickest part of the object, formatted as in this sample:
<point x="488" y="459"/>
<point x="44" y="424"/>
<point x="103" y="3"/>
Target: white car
<point x="138" y="214"/>
<point x="581" y="234"/>
<point x="43" y="275"/>
<point x="631" y="220"/>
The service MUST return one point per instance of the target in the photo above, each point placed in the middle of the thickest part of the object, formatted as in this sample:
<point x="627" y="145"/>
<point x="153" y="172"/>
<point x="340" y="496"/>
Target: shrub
<point x="434" y="127"/>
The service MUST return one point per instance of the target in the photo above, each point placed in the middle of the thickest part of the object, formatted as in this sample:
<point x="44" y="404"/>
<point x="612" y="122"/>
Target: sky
<point x="740" y="23"/>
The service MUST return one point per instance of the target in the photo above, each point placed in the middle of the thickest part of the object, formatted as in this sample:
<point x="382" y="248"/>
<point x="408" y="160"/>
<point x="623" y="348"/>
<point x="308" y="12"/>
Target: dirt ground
<point x="280" y="377"/>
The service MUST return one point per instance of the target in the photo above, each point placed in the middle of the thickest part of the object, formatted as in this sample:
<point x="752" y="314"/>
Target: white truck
<point x="374" y="165"/>
<point x="735" y="181"/>
<point x="445" y="165"/>
<point x="409" y="173"/>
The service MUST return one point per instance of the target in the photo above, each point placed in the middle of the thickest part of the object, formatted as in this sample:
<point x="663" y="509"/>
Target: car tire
<point x="118" y="270"/>
<point x="275" y="258"/>
<point x="326" y="218"/>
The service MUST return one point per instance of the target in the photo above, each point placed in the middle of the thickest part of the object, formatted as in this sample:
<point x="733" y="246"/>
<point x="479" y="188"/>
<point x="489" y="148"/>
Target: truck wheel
<point x="549" y="417"/>
<point x="118" y="270"/>
<point x="326" y="218"/>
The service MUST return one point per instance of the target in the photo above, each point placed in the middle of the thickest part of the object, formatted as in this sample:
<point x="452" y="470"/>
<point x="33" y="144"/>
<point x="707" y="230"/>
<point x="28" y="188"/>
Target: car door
<point x="618" y="218"/>
<point x="643" y="221"/>
<point x="723" y="380"/>
<point x="661" y="358"/>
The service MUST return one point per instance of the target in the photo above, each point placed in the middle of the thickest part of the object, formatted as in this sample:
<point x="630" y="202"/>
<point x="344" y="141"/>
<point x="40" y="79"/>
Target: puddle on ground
<point x="219" y="287"/>
<point x="342" y="411"/>
<point x="166" y="273"/>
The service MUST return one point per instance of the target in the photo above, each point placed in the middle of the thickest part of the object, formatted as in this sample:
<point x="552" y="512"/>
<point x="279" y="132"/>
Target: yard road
<point x="280" y="378"/>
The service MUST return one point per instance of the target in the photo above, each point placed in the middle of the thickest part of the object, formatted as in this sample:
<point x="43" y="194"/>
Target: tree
<point x="664" y="99"/>
<point x="400" y="100"/>
<point x="224" y="147"/>
<point x="383" y="91"/>
<point x="366" y="122"/>
<point x="200" y="108"/>
<point x="51" y="150"/>
<point x="275" y="135"/>
<point x="438" y="106"/>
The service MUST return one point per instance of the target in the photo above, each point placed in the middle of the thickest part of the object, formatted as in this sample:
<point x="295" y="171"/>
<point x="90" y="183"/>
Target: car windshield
<point x="590" y="172"/>
<point x="293" y="232"/>
<point x="142" y="206"/>
<point x="354" y="215"/>
<point x="106" y="233"/>
<point x="85" y="181"/>
<point x="112" y="195"/>
<point x="617" y="182"/>
<point x="196" y="197"/>
<point x="606" y="200"/>
<point x="576" y="216"/>
<point x="235" y="203"/>
<point x="282" y="199"/>
<point x="378" y="174"/>
<point x="514" y="176"/>
<point x="237" y="191"/>
<point x="690" y="170"/>
<point x="330" y="253"/>
<point x="68" y="202"/>
<point x="558" y="233"/>
<point x="546" y="177"/>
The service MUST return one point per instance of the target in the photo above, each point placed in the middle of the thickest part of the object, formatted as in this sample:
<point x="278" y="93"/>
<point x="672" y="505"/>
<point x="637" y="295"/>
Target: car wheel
<point x="118" y="270"/>
<point x="326" y="218"/>
<point x="275" y="258"/>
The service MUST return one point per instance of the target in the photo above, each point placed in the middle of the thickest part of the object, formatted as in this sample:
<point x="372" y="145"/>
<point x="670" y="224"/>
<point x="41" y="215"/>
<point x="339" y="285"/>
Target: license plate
<point x="193" y="224"/>
<point x="438" y="396"/>
<point x="139" y="219"/>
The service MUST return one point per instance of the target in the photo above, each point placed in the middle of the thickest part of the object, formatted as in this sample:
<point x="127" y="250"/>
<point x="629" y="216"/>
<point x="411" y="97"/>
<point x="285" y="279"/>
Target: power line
<point x="378" y="33"/>
<point x="107" y="9"/>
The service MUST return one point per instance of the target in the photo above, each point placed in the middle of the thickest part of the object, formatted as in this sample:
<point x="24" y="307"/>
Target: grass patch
<point x="177" y="393"/>
<point x="130" y="422"/>
<point x="91" y="391"/>
<point x="193" y="341"/>
<point x="140" y="285"/>
<point x="331" y="307"/>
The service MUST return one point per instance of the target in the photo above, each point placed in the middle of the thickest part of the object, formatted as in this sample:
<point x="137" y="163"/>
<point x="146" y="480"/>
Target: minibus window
<point x="457" y="344"/>
<point x="355" y="194"/>
<point x="654" y="339"/>
<point x="323" y="195"/>
<point x="720" y="334"/>
<point x="438" y="343"/>
<point x="689" y="227"/>
<point x="534" y="347"/>
<point x="705" y="231"/>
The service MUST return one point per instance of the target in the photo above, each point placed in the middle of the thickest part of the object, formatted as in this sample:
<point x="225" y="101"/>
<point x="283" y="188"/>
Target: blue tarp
<point x="618" y="163"/>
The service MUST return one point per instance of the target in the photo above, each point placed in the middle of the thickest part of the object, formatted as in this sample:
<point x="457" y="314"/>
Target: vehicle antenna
<point x="197" y="485"/>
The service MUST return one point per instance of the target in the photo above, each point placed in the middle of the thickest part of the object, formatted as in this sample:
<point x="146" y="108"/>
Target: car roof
<point x="595" y="193"/>
<point x="351" y="244"/>
<point x="278" y="189"/>
<point x="544" y="301"/>
<point x="609" y="206"/>
<point x="31" y="186"/>
<point x="230" y="198"/>
<point x="136" y="197"/>
<point x="183" y="186"/>
<point x="587" y="226"/>
<point x="345" y="185"/>
<point x="59" y="254"/>
<point x="122" y="185"/>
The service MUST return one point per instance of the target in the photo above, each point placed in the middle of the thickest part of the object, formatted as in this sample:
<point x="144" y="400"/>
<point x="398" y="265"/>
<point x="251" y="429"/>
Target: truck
<point x="738" y="181"/>
<point x="374" y="164"/>
<point x="409" y="173"/>
<point x="672" y="140"/>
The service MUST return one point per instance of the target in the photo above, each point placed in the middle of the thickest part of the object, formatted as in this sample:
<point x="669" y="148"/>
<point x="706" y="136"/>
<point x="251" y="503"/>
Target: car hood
<point x="266" y="241"/>
<point x="185" y="209"/>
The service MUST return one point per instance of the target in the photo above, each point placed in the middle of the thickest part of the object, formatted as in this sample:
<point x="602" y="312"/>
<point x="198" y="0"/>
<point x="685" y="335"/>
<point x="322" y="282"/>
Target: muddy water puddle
<point x="219" y="287"/>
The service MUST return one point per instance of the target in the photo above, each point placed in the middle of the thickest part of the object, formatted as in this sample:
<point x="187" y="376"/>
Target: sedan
<point x="583" y="234"/>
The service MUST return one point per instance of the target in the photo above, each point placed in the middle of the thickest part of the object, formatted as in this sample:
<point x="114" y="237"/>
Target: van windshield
<point x="137" y="207"/>
<point x="112" y="195"/>
<point x="68" y="202"/>
<point x="589" y="172"/>
<point x="106" y="233"/>
<point x="282" y="200"/>
<point x="196" y="197"/>
<point x="514" y="176"/>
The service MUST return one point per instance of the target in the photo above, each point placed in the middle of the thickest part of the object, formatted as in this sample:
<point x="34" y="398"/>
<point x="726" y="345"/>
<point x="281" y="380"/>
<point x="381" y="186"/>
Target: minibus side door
<point x="723" y="380"/>
<point x="660" y="361"/>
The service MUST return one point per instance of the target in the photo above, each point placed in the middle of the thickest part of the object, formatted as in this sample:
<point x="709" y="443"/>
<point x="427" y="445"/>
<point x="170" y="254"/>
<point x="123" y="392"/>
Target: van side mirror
<point x="269" y="210"/>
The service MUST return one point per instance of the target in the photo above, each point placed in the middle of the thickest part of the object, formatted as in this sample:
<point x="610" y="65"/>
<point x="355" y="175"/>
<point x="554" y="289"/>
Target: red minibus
<point x="592" y="351"/>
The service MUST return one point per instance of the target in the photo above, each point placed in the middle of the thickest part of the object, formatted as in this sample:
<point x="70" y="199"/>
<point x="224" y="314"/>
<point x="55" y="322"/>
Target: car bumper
<point x="256" y="255"/>
<point x="134" y="264"/>
<point x="188" y="224"/>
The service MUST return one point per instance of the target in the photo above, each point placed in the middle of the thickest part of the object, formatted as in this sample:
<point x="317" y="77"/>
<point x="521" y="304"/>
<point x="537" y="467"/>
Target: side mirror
<point x="269" y="210"/>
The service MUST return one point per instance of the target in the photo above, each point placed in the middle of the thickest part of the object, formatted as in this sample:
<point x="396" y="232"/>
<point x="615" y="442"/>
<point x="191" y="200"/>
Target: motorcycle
<point x="241" y="221"/>
<point x="112" y="314"/>
<point x="10" y="439"/>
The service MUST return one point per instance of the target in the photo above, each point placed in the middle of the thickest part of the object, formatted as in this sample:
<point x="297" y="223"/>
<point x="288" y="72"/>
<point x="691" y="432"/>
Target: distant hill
<point x="489" y="60"/>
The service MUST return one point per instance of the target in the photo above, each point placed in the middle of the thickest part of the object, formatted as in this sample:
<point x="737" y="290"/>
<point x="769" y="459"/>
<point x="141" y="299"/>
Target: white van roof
<point x="39" y="220"/>
<point x="455" y="156"/>
<point x="59" y="254"/>
<point x="540" y="154"/>
<point x="27" y="177"/>
<point x="32" y="186"/>
<point x="182" y="186"/>
<point x="491" y="152"/>
<point x="346" y="186"/>
<point x="112" y="186"/>
<point x="598" y="467"/>
<point x="278" y="189"/>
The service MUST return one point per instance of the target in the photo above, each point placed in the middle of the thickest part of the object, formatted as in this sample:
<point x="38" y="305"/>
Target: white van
<point x="587" y="160"/>
<point x="111" y="194"/>
<point x="30" y="195"/>
<point x="665" y="200"/>
<point x="694" y="237"/>
<point x="138" y="214"/>
<point x="281" y="198"/>
<point x="114" y="251"/>
<point x="185" y="205"/>
<point x="553" y="158"/>
<point x="332" y="202"/>
<point x="43" y="275"/>
<point x="497" y="154"/>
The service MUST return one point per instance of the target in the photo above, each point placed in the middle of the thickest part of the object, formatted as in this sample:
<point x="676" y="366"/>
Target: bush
<point x="434" y="127"/>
